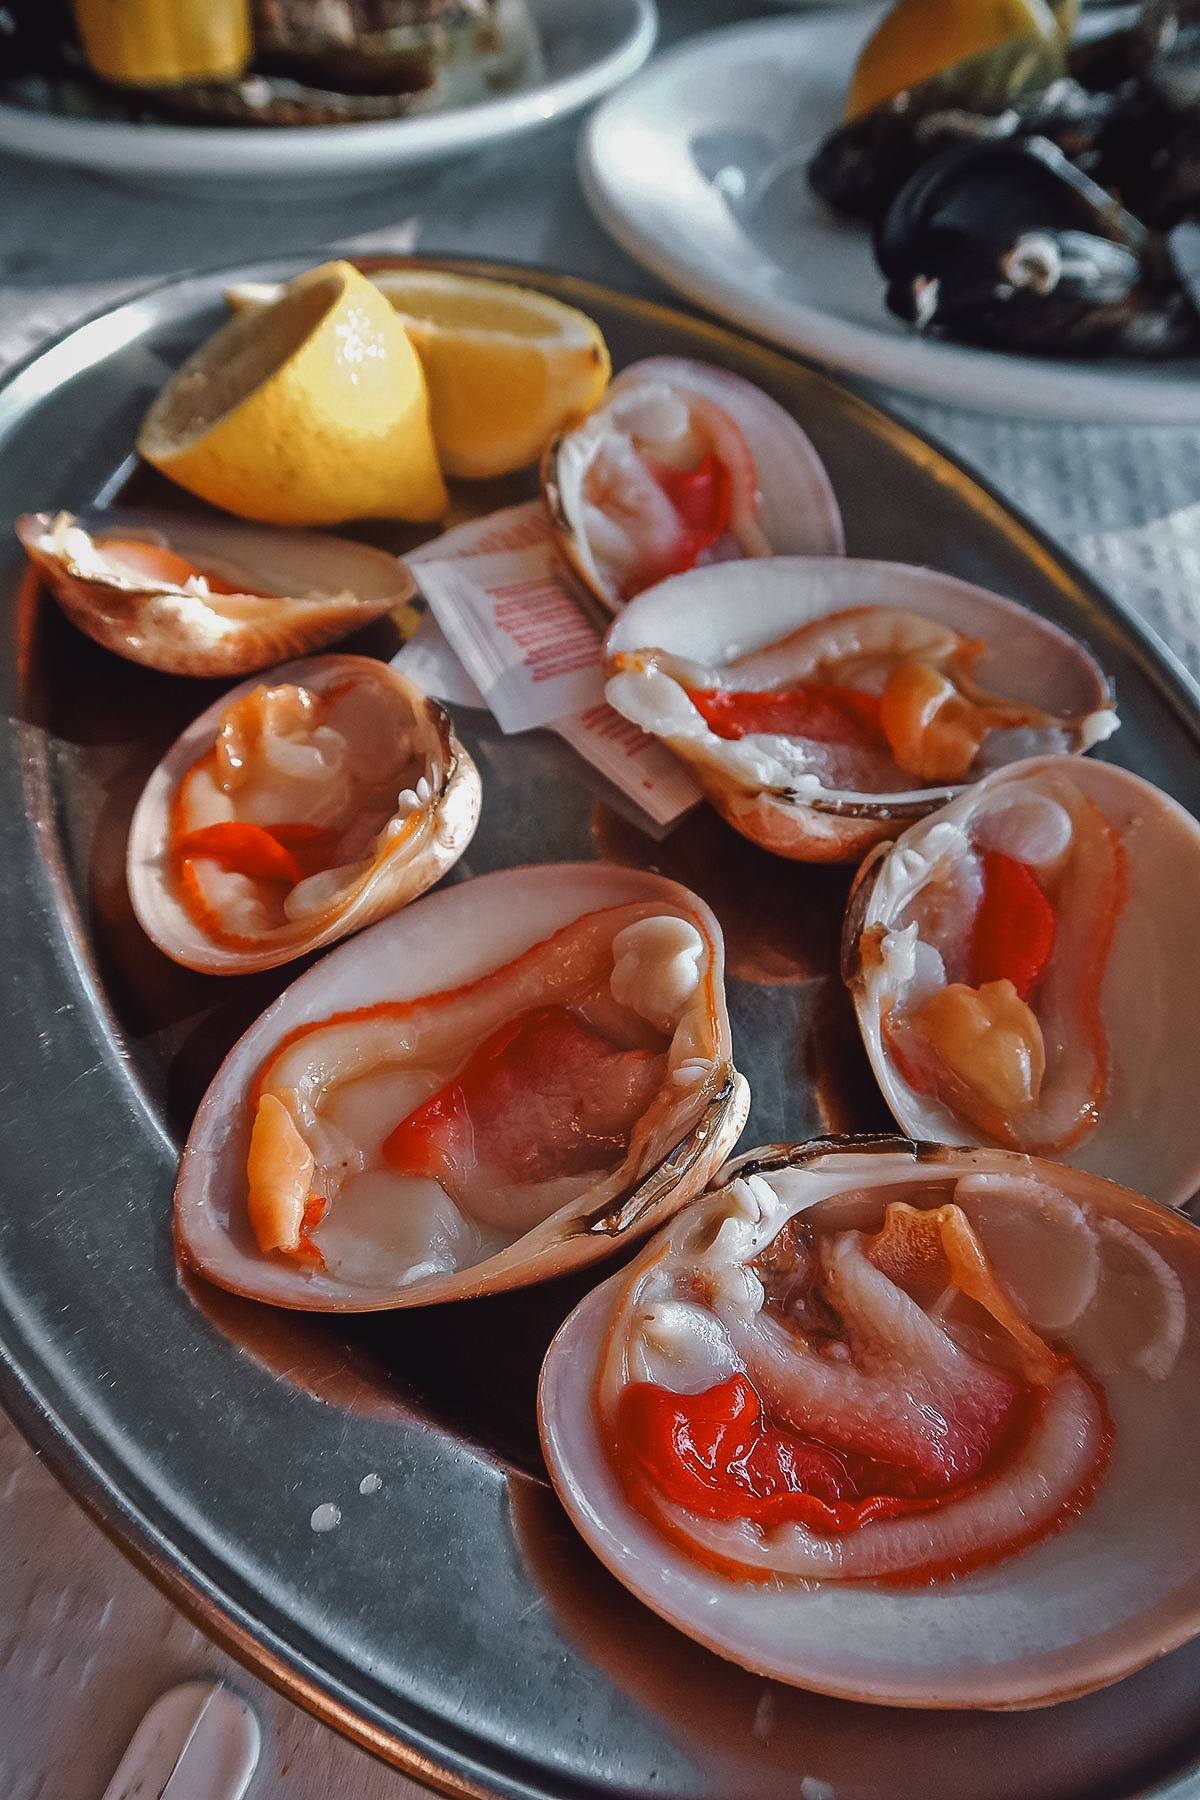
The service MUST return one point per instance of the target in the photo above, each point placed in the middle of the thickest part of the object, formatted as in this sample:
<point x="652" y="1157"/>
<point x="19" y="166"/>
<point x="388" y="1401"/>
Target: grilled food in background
<point x="264" y="62"/>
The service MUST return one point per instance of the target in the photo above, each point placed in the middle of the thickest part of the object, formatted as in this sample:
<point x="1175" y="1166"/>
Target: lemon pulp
<point x="308" y="411"/>
<point x="507" y="367"/>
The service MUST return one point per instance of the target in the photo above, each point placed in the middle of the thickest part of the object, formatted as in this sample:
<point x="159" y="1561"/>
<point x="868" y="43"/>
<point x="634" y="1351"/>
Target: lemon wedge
<point x="507" y="367"/>
<point x="307" y="411"/>
<point x="920" y="38"/>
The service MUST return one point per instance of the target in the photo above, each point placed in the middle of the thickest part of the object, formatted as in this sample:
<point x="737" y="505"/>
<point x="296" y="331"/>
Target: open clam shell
<point x="619" y="524"/>
<point x="757" y="626"/>
<point x="1117" y="1004"/>
<point x="430" y="1023"/>
<point x="208" y="596"/>
<point x="1107" y="1285"/>
<point x="350" y="770"/>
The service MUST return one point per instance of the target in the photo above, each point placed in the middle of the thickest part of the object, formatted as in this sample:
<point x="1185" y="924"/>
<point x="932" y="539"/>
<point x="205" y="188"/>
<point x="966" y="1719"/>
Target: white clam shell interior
<point x="1148" y="1137"/>
<point x="1113" y="1588"/>
<point x="440" y="947"/>
<point x="395" y="877"/>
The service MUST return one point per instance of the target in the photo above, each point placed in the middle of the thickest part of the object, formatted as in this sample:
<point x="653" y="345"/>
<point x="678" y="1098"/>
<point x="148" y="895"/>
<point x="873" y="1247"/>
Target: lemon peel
<point x="918" y="39"/>
<point x="307" y="411"/>
<point x="507" y="367"/>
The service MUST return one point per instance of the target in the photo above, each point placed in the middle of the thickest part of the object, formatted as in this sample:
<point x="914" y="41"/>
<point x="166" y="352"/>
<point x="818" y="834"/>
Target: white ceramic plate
<point x="697" y="168"/>
<point x="586" y="51"/>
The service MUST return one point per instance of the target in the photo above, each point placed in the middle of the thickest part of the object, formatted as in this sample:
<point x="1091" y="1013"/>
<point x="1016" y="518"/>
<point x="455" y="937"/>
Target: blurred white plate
<point x="586" y="51"/>
<point x="697" y="169"/>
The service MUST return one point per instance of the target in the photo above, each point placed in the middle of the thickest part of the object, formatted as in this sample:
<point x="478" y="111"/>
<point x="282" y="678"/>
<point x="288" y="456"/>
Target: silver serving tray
<point x="452" y="1621"/>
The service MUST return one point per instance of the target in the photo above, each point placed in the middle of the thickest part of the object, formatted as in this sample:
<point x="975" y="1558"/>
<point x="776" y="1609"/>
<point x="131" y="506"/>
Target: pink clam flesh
<point x="967" y="1477"/>
<point x="210" y="597"/>
<point x="951" y="680"/>
<point x="298" y="809"/>
<point x="505" y="1081"/>
<point x="682" y="464"/>
<point x="1097" y="1062"/>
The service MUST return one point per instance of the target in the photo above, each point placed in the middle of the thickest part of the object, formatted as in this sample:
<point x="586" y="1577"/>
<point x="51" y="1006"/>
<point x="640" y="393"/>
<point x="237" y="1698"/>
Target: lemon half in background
<point x="507" y="367"/>
<point x="920" y="38"/>
<point x="308" y="411"/>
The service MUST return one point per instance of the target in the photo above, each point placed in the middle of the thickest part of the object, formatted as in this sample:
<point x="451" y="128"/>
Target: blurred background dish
<point x="572" y="57"/>
<point x="698" y="169"/>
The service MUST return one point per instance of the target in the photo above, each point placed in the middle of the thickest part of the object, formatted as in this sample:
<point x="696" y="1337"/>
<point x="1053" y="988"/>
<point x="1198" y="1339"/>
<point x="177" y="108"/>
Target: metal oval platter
<point x="451" y="1620"/>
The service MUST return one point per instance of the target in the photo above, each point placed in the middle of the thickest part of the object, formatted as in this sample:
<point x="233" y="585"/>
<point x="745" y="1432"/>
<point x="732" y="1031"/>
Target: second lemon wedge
<point x="920" y="38"/>
<point x="507" y="367"/>
<point x="308" y="411"/>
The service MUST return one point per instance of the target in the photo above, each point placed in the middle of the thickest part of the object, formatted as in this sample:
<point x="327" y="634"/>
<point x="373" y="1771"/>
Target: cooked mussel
<point x="863" y="164"/>
<point x="1011" y="247"/>
<point x="1149" y="150"/>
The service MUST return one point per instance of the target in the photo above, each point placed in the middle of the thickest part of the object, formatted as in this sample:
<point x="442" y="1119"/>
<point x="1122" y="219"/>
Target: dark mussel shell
<point x="1011" y="247"/>
<point x="861" y="167"/>
<point x="1150" y="155"/>
<point x="1149" y="149"/>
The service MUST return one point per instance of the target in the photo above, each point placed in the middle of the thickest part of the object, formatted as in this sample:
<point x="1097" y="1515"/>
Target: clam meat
<point x="898" y="1423"/>
<point x="825" y="702"/>
<point x="1025" y="972"/>
<point x="295" y="810"/>
<point x="209" y="597"/>
<point x="684" y="464"/>
<point x="505" y="1081"/>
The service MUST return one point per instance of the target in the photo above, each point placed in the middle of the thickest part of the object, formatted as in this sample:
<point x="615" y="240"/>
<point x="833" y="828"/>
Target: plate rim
<point x="999" y="381"/>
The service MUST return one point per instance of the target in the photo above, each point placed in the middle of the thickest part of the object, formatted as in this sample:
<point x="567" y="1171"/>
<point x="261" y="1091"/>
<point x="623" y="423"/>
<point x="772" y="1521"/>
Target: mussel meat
<point x="1010" y="246"/>
<point x="683" y="465"/>
<point x="1025" y="972"/>
<point x="297" y="810"/>
<point x="863" y="164"/>
<point x="507" y="1080"/>
<point x="210" y="597"/>
<point x="825" y="703"/>
<point x="898" y="1423"/>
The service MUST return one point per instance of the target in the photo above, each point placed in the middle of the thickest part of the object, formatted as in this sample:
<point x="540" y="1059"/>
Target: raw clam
<point x="1025" y="971"/>
<point x="870" y="693"/>
<point x="936" y="1412"/>
<point x="212" y="597"/>
<point x="505" y="1081"/>
<point x="296" y="810"/>
<point x="684" y="464"/>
